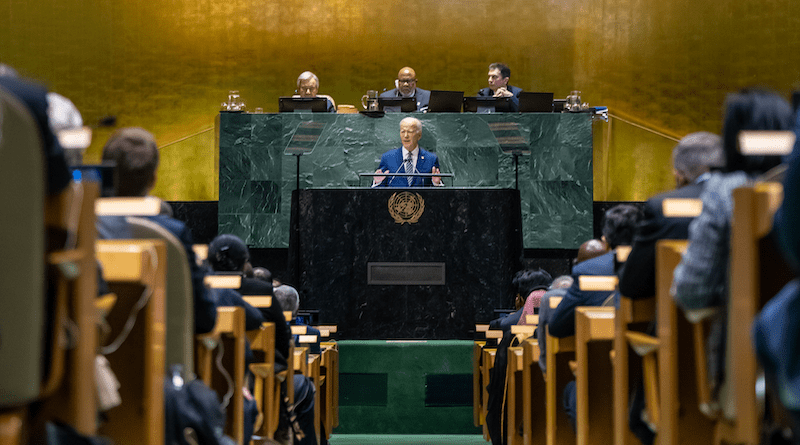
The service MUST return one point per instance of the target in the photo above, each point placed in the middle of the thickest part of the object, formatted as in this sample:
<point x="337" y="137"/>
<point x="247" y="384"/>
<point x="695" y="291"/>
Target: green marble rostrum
<point x="257" y="171"/>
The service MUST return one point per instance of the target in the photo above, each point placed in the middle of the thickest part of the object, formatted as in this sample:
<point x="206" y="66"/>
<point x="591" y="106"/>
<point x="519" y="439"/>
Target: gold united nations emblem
<point x="406" y="207"/>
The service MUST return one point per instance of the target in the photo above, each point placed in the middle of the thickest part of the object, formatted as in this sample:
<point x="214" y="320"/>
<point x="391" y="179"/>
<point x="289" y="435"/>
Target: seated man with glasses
<point x="406" y="84"/>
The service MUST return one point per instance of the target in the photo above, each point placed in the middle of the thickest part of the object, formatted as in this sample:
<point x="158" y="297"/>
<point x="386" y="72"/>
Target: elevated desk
<point x="406" y="263"/>
<point x="257" y="176"/>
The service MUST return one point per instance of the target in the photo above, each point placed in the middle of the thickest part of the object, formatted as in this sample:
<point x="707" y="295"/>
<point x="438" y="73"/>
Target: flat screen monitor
<point x="530" y="102"/>
<point x="445" y="101"/>
<point x="486" y="104"/>
<point x="105" y="174"/>
<point x="558" y="105"/>
<point x="397" y="104"/>
<point x="290" y="104"/>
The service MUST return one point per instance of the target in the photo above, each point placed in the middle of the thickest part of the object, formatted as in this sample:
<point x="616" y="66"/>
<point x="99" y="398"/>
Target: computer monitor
<point x="558" y="105"/>
<point x="530" y="102"/>
<point x="445" y="101"/>
<point x="290" y="104"/>
<point x="487" y="104"/>
<point x="105" y="174"/>
<point x="397" y="104"/>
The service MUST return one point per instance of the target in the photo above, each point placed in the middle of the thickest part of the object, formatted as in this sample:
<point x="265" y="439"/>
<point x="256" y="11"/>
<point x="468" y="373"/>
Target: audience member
<point x="263" y="274"/>
<point x="590" y="249"/>
<point x="411" y="158"/>
<point x="34" y="97"/>
<point x="228" y="253"/>
<point x="135" y="152"/>
<point x="525" y="283"/>
<point x="692" y="160"/>
<point x="308" y="86"/>
<point x="618" y="227"/>
<point x="619" y="223"/>
<point x="406" y="86"/>
<point x="701" y="279"/>
<point x="290" y="301"/>
<point x="499" y="75"/>
<point x="557" y="289"/>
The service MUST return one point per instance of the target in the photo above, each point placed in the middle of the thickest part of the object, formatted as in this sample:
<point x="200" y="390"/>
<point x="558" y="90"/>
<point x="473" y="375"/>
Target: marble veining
<point x="257" y="176"/>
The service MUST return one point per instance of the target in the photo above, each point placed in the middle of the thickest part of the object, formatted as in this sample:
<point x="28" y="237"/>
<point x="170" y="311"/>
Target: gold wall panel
<point x="166" y="65"/>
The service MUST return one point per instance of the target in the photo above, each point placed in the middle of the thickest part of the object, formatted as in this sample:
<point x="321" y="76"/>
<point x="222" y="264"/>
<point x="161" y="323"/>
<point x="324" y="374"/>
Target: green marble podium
<point x="257" y="171"/>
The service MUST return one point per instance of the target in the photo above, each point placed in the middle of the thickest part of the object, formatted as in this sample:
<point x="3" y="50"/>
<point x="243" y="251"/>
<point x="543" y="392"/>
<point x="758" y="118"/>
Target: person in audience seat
<point x="227" y="254"/>
<point x="406" y="86"/>
<point x="290" y="300"/>
<point x="526" y="282"/>
<point x="588" y="250"/>
<point x="135" y="152"/>
<point x="692" y="161"/>
<point x="619" y="223"/>
<point x="701" y="279"/>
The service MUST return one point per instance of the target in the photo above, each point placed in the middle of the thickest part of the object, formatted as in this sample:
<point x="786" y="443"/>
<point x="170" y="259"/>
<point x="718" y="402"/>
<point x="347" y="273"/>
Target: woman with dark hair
<point x="701" y="279"/>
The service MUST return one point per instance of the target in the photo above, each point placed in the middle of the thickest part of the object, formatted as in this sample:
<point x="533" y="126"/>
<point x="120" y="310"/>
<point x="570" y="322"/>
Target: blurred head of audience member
<point x="619" y="225"/>
<point x="228" y="253"/>
<point x="528" y="280"/>
<point x="752" y="109"/>
<point x="135" y="152"/>
<point x="695" y="155"/>
<point x="561" y="282"/>
<point x="288" y="298"/>
<point x="590" y="249"/>
<point x="262" y="273"/>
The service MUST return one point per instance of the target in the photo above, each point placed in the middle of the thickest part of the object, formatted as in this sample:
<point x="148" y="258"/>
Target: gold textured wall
<point x="167" y="64"/>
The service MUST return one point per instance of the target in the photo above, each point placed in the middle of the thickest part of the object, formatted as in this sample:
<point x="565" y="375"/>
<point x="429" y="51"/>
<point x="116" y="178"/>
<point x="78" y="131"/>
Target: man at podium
<point x="409" y="158"/>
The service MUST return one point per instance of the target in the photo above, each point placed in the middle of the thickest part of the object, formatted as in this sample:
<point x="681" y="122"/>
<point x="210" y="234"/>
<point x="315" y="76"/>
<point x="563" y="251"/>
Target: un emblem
<point x="406" y="207"/>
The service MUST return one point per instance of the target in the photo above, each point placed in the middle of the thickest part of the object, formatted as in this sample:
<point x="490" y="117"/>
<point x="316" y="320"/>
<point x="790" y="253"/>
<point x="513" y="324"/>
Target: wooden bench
<point x="136" y="272"/>
<point x="758" y="272"/>
<point x="594" y="334"/>
<point x="679" y="419"/>
<point x="534" y="425"/>
<point x="560" y="351"/>
<point x="515" y="396"/>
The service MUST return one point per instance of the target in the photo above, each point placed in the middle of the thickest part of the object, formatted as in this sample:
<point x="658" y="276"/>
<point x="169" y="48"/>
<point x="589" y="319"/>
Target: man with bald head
<point x="406" y="84"/>
<point x="409" y="158"/>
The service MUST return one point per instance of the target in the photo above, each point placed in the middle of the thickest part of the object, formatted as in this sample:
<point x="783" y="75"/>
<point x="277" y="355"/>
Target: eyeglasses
<point x="406" y="80"/>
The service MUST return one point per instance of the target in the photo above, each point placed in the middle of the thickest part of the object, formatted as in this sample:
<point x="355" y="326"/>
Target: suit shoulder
<point x="389" y="93"/>
<point x="601" y="265"/>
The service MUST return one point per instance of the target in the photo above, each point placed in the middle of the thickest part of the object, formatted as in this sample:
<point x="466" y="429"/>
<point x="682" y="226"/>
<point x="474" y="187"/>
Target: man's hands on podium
<point x="437" y="180"/>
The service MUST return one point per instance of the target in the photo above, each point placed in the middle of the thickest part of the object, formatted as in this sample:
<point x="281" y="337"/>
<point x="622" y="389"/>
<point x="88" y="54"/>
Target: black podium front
<point x="423" y="263"/>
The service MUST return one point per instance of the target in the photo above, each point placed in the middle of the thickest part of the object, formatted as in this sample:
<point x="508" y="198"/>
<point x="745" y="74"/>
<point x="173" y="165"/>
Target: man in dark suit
<point x="308" y="86"/>
<point x="409" y="158"/>
<point x="619" y="223"/>
<point x="692" y="159"/>
<point x="406" y="86"/>
<point x="499" y="75"/>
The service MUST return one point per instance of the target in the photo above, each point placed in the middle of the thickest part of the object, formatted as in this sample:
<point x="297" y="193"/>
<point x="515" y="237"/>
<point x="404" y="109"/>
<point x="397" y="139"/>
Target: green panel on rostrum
<point x="405" y="370"/>
<point x="258" y="171"/>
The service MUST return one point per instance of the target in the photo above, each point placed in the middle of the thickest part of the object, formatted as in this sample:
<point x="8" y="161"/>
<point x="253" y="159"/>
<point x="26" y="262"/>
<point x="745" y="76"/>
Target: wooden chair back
<point x="594" y="334"/>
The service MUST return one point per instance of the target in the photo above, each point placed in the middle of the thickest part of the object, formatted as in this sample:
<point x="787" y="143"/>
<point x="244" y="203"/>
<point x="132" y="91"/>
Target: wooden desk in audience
<point x="560" y="351"/>
<point x="136" y="270"/>
<point x="680" y="419"/>
<point x="594" y="332"/>
<point x="534" y="424"/>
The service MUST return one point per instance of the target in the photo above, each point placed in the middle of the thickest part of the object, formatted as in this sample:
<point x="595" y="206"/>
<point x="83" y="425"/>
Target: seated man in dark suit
<point x="135" y="152"/>
<point x="619" y="223"/>
<point x="290" y="300"/>
<point x="499" y="75"/>
<point x="692" y="159"/>
<point x="410" y="158"/>
<point x="308" y="86"/>
<point x="406" y="86"/>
